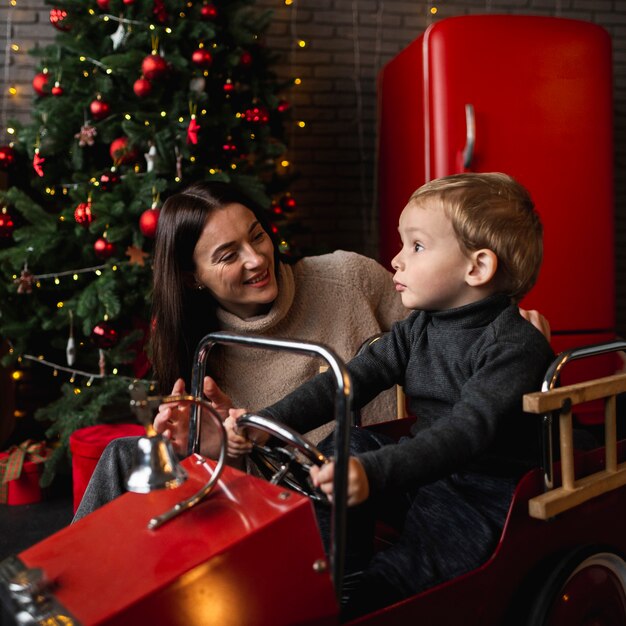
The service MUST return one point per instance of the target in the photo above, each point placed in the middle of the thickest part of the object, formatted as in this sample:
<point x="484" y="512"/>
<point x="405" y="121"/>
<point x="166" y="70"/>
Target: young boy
<point x="471" y="248"/>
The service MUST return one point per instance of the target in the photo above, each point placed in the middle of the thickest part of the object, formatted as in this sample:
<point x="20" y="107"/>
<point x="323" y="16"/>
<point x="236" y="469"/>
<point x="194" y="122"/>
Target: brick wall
<point x="347" y="43"/>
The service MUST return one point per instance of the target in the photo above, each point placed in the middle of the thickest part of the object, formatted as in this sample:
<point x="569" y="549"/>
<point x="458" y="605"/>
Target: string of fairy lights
<point x="13" y="100"/>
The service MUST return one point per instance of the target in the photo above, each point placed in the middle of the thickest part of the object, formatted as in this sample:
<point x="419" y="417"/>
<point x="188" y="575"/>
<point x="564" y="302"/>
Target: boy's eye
<point x="418" y="247"/>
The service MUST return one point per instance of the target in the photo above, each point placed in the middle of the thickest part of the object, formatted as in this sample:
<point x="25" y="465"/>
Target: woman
<point x="217" y="267"/>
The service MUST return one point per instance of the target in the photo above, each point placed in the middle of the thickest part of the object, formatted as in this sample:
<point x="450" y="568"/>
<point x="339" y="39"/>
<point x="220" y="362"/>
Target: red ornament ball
<point x="83" y="214"/>
<point x="108" y="180"/>
<point x="287" y="203"/>
<point x="245" y="59"/>
<point x="283" y="106"/>
<point x="7" y="157"/>
<point x="257" y="115"/>
<point x="229" y="87"/>
<point x="103" y="5"/>
<point x="57" y="17"/>
<point x="208" y="12"/>
<point x="57" y="90"/>
<point x="121" y="151"/>
<point x="40" y="84"/>
<point x="148" y="222"/>
<point x="99" y="109"/>
<point x="6" y="225"/>
<point x="104" y="335"/>
<point x="104" y="249"/>
<point x="142" y="87"/>
<point x="202" y="57"/>
<point x="154" y="67"/>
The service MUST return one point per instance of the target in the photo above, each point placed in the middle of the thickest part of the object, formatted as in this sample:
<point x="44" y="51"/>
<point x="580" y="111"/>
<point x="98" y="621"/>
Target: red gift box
<point x="20" y="469"/>
<point x="87" y="445"/>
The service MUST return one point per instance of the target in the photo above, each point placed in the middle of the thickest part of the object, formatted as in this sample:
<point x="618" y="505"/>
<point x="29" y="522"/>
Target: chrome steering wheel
<point x="287" y="464"/>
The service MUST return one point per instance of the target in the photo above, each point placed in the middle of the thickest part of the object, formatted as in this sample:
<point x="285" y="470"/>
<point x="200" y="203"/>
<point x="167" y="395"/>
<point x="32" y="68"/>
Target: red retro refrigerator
<point x="529" y="96"/>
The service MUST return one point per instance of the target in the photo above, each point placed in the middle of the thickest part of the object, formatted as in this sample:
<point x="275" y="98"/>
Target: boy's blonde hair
<point x="492" y="211"/>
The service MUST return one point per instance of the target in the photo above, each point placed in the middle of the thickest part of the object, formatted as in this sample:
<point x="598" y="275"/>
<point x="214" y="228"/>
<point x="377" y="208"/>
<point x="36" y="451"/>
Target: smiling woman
<point x="240" y="272"/>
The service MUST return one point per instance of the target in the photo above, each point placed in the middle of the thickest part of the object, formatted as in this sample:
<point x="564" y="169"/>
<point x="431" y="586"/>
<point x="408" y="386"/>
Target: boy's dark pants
<point x="450" y="527"/>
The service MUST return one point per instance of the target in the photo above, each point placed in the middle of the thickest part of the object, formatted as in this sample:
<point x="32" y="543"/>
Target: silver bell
<point x="156" y="467"/>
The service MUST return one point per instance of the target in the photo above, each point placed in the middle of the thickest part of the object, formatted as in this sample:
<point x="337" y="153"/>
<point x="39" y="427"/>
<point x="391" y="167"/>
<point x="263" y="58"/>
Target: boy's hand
<point x="358" y="484"/>
<point x="238" y="443"/>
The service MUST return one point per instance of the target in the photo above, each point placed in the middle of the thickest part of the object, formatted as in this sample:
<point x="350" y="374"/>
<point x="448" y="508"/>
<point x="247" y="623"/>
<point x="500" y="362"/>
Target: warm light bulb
<point x="302" y="43"/>
<point x="59" y="305"/>
<point x="433" y="10"/>
<point x="15" y="47"/>
<point x="13" y="90"/>
<point x="297" y="81"/>
<point x="301" y="124"/>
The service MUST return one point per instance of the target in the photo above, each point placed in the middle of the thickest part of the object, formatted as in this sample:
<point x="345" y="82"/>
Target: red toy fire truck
<point x="229" y="548"/>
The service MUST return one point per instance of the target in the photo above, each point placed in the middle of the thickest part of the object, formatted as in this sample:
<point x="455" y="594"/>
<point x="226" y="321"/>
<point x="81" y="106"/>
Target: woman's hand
<point x="172" y="420"/>
<point x="358" y="483"/>
<point x="220" y="401"/>
<point x="538" y="321"/>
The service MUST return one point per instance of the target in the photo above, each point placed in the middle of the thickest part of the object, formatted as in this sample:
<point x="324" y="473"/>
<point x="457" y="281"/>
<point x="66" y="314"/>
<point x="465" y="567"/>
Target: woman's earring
<point x="200" y="287"/>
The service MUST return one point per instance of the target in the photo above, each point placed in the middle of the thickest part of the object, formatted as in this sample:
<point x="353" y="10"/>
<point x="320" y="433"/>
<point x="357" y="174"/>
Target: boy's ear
<point x="482" y="268"/>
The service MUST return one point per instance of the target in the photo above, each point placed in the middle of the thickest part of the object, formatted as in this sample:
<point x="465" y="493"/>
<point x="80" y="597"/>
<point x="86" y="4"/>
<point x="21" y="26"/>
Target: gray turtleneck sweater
<point x="464" y="372"/>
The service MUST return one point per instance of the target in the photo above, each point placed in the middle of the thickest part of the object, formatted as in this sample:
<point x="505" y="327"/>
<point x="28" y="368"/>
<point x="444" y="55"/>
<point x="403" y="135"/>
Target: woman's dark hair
<point x="182" y="314"/>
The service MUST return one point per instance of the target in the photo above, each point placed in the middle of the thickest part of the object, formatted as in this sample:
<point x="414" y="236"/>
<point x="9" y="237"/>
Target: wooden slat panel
<point x="556" y="501"/>
<point x="544" y="401"/>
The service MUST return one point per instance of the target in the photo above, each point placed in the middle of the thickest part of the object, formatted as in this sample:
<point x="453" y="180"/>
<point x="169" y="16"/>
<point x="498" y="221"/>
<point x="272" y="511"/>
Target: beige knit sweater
<point x="338" y="299"/>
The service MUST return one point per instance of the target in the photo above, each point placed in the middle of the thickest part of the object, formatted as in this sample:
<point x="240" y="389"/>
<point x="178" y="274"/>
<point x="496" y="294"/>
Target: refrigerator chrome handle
<point x="470" y="135"/>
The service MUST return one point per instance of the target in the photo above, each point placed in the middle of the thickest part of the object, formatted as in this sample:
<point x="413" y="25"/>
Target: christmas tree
<point x="134" y="100"/>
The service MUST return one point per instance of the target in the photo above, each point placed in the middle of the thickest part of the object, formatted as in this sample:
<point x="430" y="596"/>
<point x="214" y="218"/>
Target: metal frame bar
<point x="343" y="401"/>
